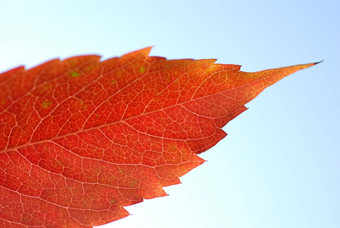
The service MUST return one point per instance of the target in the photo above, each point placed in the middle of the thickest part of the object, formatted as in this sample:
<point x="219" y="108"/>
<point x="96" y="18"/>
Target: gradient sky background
<point x="279" y="166"/>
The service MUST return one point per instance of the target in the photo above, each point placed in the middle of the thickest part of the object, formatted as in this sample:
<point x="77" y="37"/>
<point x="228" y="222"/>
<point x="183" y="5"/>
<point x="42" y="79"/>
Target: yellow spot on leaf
<point x="121" y="171"/>
<point x="133" y="184"/>
<point x="172" y="147"/>
<point x="2" y="102"/>
<point x="82" y="104"/>
<point x="75" y="74"/>
<point x="113" y="82"/>
<point x="47" y="87"/>
<point x="46" y="104"/>
<point x="142" y="69"/>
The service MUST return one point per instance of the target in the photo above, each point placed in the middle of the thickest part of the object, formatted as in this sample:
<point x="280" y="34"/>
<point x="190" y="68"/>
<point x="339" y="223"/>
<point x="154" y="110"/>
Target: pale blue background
<point x="279" y="166"/>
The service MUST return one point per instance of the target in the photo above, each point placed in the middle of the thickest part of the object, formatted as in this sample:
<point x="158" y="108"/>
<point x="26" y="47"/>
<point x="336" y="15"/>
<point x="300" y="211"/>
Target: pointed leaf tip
<point x="303" y="66"/>
<point x="318" y="62"/>
<point x="300" y="66"/>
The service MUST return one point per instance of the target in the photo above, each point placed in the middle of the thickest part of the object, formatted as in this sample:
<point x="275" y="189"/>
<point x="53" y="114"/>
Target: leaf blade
<point x="81" y="138"/>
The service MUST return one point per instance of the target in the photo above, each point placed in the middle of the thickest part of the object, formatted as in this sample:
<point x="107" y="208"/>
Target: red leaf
<point x="80" y="139"/>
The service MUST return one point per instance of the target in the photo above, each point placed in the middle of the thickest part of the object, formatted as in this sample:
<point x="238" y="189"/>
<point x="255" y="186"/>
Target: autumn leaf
<point x="80" y="139"/>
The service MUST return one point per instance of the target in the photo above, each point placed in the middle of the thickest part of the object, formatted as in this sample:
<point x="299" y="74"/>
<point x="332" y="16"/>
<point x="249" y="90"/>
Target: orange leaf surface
<point x="80" y="139"/>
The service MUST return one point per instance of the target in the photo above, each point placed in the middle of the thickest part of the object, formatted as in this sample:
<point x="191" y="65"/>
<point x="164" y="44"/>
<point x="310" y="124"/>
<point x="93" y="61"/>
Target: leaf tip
<point x="318" y="62"/>
<point x="304" y="66"/>
<point x="146" y="51"/>
<point x="143" y="52"/>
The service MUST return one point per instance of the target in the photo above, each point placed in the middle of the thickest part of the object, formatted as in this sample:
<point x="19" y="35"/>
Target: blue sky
<point x="279" y="165"/>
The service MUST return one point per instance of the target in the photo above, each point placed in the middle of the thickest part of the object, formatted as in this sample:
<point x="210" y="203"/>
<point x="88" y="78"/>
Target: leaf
<point x="81" y="139"/>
